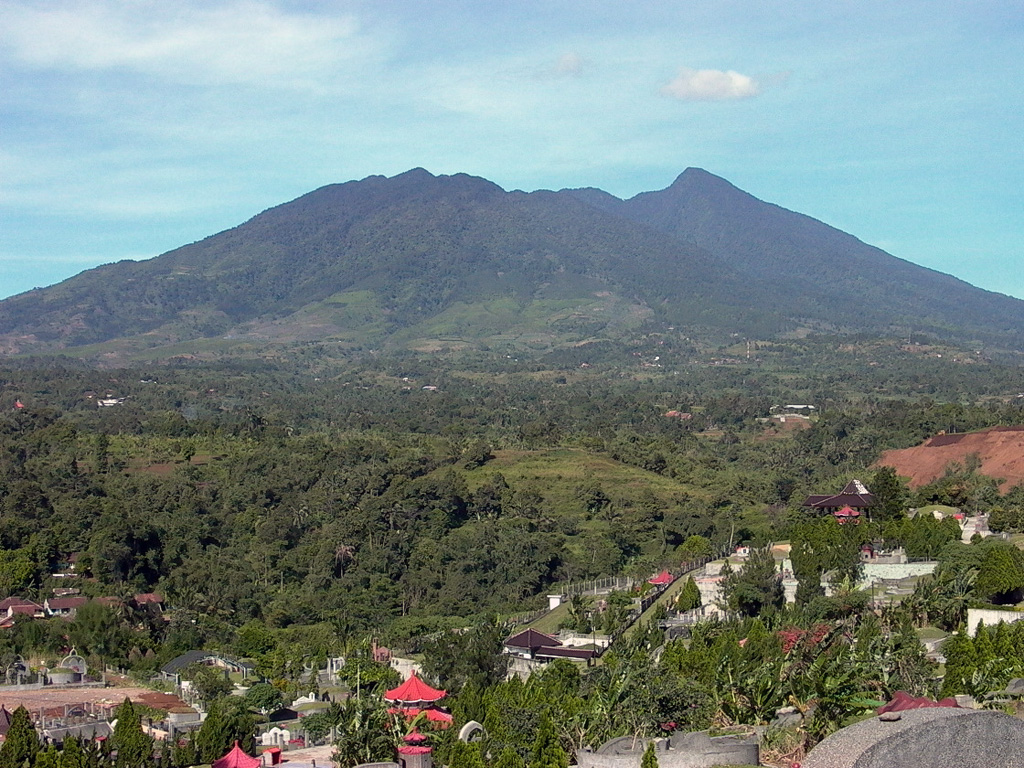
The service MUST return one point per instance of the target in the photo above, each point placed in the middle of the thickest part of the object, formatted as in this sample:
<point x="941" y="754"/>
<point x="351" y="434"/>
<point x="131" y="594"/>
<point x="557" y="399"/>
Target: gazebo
<point x="414" y="696"/>
<point x="236" y="758"/>
<point x="661" y="579"/>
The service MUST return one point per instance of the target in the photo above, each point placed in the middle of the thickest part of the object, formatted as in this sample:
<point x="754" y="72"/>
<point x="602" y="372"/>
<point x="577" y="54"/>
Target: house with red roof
<point x="19" y="606"/>
<point x="63" y="606"/>
<point x="852" y="503"/>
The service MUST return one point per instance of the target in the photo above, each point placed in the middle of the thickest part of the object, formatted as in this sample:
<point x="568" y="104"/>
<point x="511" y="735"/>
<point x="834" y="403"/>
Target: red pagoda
<point x="414" y="697"/>
<point x="415" y="753"/>
<point x="236" y="758"/>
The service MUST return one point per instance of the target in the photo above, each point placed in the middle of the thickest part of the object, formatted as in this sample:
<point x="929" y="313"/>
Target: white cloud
<point x="242" y="41"/>
<point x="569" y="64"/>
<point x="711" y="85"/>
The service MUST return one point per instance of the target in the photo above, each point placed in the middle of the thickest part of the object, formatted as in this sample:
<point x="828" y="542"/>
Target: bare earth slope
<point x="1000" y="450"/>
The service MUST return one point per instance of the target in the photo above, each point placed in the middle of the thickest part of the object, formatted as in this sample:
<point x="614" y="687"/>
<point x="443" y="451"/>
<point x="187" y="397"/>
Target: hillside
<point x="420" y="261"/>
<point x="1000" y="453"/>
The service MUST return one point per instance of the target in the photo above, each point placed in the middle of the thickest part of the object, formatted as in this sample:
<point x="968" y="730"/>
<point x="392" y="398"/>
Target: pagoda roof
<point x="414" y="691"/>
<point x="662" y="578"/>
<point x="236" y="758"/>
<point x="855" y="494"/>
<point x="532" y="639"/>
<point x="5" y="720"/>
<point x="414" y="750"/>
<point x="848" y="511"/>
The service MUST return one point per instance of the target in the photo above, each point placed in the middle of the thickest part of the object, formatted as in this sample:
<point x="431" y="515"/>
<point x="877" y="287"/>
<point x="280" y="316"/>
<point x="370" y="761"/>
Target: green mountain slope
<point x="820" y="274"/>
<point x="419" y="261"/>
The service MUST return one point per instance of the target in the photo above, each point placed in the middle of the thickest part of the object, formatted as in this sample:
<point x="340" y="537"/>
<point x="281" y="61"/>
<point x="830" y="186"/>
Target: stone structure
<point x="681" y="750"/>
<point x="925" y="738"/>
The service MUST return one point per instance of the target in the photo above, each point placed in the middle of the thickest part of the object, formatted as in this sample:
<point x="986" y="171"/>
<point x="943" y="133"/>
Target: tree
<point x="134" y="748"/>
<point x="755" y="588"/>
<point x="509" y="758"/>
<point x="891" y="495"/>
<point x="264" y="697"/>
<point x="227" y="721"/>
<point x="22" y="742"/>
<point x="1001" y="575"/>
<point x="689" y="596"/>
<point x="650" y="758"/>
<point x="547" y="752"/>
<point x="208" y="682"/>
<point x="961" y="664"/>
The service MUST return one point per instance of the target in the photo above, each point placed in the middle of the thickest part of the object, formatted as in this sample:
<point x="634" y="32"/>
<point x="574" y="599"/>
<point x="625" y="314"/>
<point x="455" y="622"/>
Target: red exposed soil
<point x="1000" y="450"/>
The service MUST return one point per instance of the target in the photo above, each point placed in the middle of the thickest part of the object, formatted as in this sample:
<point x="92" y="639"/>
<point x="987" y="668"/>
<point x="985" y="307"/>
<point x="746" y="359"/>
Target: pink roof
<point x="414" y="691"/>
<point x="413" y="750"/>
<point x="662" y="578"/>
<point x="236" y="758"/>
<point x="848" y="512"/>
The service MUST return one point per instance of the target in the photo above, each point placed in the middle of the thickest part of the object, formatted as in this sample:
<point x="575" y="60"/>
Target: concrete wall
<point x="875" y="572"/>
<point x="991" y="617"/>
<point x="683" y="750"/>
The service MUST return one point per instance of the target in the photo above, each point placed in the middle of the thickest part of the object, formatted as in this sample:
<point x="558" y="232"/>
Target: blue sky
<point x="130" y="128"/>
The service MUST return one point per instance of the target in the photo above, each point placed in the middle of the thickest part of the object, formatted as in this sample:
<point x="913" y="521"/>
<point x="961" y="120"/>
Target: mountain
<point x="419" y="260"/>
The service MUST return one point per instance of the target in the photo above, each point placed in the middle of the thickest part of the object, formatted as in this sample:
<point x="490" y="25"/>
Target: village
<point x="72" y="700"/>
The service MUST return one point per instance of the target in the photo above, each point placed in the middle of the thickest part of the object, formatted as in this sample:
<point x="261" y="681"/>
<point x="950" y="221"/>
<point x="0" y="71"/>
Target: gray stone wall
<point x="686" y="750"/>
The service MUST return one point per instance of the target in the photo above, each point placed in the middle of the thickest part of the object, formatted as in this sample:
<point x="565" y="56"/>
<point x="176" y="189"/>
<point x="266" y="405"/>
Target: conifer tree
<point x="984" y="649"/>
<point x="689" y="596"/>
<point x="547" y="751"/>
<point x="22" y="742"/>
<point x="72" y="755"/>
<point x="650" y="758"/>
<point x="509" y="758"/>
<point x="134" y="748"/>
<point x="1003" y="644"/>
<point x="960" y="664"/>
<point x="47" y="758"/>
<point x="465" y="755"/>
<point x="214" y="737"/>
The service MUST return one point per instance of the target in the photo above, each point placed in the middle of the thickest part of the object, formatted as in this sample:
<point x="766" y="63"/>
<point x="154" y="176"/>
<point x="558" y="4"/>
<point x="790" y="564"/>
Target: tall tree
<point x="755" y="588"/>
<point x="22" y="742"/>
<point x="134" y="748"/>
<point x="547" y="751"/>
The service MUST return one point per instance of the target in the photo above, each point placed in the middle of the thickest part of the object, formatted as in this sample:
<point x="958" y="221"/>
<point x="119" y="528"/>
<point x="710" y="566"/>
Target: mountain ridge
<point x="383" y="258"/>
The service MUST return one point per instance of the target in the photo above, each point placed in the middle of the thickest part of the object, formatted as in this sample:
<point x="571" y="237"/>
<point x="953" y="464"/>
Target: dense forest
<point x="400" y="495"/>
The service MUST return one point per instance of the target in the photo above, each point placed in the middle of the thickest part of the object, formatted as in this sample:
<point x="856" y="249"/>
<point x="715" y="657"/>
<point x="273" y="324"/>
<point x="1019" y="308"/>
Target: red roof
<point x="414" y="691"/>
<point x="65" y="603"/>
<point x="11" y="602"/>
<point x="848" y="512"/>
<point x="236" y="758"/>
<point x="662" y="578"/>
<point x="148" y="597"/>
<point x="413" y="750"/>
<point x="29" y="609"/>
